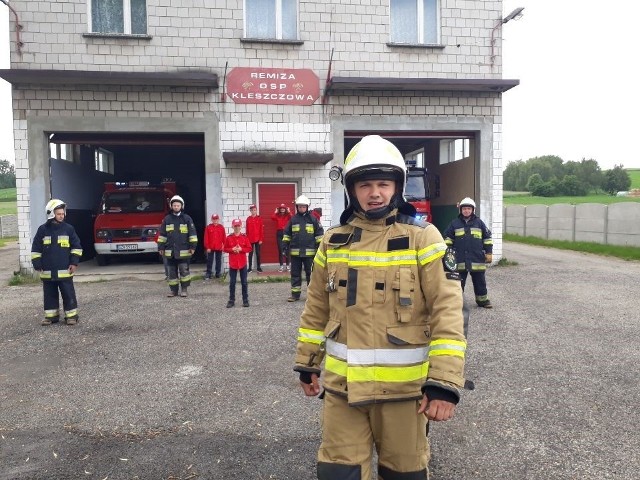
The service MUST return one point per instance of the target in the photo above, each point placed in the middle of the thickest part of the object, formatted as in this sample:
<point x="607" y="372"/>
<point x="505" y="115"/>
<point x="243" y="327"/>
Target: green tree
<point x="616" y="180"/>
<point x="534" y="182"/>
<point x="7" y="174"/>
<point x="572" y="186"/>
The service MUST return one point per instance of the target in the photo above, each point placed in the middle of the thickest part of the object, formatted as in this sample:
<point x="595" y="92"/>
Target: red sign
<point x="280" y="86"/>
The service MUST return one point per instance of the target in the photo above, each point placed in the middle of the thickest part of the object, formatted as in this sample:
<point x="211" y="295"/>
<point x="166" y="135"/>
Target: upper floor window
<point x="415" y="22"/>
<point x="271" y="19"/>
<point x="118" y="16"/>
<point x="104" y="161"/>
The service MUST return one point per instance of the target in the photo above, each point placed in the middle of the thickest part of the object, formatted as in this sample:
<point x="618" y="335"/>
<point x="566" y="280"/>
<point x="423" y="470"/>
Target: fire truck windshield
<point x="415" y="188"/>
<point x="133" y="202"/>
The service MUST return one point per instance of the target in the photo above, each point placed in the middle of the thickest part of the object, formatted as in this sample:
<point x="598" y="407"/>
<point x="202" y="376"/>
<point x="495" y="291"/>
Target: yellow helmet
<point x="53" y="205"/>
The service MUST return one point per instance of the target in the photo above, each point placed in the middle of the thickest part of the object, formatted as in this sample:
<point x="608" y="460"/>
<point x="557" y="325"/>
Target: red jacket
<point x="237" y="261"/>
<point x="281" y="220"/>
<point x="255" y="229"/>
<point x="214" y="236"/>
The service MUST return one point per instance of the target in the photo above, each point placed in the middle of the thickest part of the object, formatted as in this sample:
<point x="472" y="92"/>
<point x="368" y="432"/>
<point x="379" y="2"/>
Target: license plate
<point x="127" y="246"/>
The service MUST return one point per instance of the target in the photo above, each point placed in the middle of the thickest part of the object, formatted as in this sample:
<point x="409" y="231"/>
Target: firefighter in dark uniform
<point x="384" y="312"/>
<point x="55" y="253"/>
<point x="300" y="240"/>
<point x="471" y="240"/>
<point x="176" y="242"/>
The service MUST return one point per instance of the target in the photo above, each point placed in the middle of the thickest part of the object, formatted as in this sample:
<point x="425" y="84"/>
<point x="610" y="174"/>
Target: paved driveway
<point x="151" y="387"/>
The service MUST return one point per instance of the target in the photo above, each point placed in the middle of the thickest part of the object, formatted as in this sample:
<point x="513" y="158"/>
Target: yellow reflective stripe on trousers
<point x="320" y="259"/>
<point x="51" y="313"/>
<point x="432" y="252"/>
<point x="447" y="347"/>
<point x="307" y="335"/>
<point x="71" y="313"/>
<point x="185" y="279"/>
<point x="372" y="259"/>
<point x="376" y="373"/>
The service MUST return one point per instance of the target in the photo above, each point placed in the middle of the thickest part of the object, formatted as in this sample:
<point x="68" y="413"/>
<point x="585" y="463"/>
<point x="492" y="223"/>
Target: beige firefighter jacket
<point x="383" y="312"/>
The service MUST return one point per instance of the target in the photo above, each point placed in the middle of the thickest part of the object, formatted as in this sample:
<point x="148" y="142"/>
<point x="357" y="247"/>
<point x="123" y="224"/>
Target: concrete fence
<point x="615" y="224"/>
<point x="8" y="226"/>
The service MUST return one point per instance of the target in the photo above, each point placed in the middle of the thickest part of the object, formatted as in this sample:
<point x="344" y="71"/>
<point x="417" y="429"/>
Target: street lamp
<point x="514" y="15"/>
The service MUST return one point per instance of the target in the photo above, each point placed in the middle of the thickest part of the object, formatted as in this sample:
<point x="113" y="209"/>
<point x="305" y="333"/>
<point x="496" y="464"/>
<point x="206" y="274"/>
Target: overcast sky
<point x="576" y="63"/>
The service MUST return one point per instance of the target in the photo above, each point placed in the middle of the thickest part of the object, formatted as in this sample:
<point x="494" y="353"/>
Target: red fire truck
<point x="129" y="218"/>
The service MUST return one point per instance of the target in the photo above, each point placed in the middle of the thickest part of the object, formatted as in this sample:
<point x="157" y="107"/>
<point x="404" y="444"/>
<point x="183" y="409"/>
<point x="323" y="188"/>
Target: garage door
<point x="271" y="195"/>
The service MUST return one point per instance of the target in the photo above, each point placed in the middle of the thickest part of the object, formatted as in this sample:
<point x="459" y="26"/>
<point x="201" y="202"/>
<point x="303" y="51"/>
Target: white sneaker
<point x="281" y="269"/>
<point x="288" y="268"/>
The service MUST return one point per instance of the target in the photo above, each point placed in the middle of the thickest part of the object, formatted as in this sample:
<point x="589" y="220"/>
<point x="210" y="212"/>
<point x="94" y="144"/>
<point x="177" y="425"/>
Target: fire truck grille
<point x="127" y="233"/>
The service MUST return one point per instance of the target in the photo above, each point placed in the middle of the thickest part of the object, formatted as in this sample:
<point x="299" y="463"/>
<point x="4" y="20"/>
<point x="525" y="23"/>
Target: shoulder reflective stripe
<point x="63" y="238"/>
<point x="35" y="255"/>
<point x="459" y="232"/>
<point x="432" y="252"/>
<point x="295" y="228"/>
<point x="46" y="240"/>
<point x="376" y="374"/>
<point x="184" y="228"/>
<point x="445" y="347"/>
<point x="320" y="259"/>
<point x="308" y="228"/>
<point x="170" y="228"/>
<point x="310" y="336"/>
<point x="76" y="251"/>
<point x="377" y="356"/>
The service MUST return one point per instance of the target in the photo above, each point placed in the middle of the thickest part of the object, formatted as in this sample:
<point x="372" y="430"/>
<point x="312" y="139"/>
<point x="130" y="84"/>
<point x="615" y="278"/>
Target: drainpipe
<point x="19" y="27"/>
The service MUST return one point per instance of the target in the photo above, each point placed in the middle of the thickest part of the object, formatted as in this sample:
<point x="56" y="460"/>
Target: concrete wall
<point x="8" y="226"/>
<point x="615" y="224"/>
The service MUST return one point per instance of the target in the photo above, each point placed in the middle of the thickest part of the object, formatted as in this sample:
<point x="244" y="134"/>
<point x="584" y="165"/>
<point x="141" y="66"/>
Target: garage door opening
<point x="81" y="163"/>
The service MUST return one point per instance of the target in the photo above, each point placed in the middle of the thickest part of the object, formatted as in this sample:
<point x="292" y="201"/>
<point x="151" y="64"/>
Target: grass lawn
<point x="8" y="199"/>
<point x="524" y="198"/>
<point x="635" y="177"/>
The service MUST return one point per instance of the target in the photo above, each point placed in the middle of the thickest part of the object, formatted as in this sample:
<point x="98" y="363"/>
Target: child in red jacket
<point x="281" y="216"/>
<point x="237" y="246"/>
<point x="214" y="236"/>
<point x="255" y="233"/>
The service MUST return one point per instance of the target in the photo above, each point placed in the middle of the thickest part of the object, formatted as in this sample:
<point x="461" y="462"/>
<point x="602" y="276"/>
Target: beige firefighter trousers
<point x="348" y="434"/>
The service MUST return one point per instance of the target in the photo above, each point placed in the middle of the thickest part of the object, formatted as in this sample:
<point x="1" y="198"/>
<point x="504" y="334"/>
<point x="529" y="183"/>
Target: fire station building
<point x="253" y="101"/>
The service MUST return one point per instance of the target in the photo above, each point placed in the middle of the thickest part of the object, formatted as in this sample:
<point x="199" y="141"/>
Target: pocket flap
<point x="408" y="334"/>
<point x="331" y="329"/>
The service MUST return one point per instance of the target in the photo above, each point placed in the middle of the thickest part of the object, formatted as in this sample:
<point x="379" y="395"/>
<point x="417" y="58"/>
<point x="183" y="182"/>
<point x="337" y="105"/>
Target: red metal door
<point x="270" y="196"/>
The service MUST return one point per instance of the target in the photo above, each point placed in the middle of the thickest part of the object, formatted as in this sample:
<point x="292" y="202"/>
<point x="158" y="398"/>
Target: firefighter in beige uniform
<point x="384" y="311"/>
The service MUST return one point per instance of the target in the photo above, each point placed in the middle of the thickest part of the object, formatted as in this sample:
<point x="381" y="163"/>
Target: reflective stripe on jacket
<point x="382" y="312"/>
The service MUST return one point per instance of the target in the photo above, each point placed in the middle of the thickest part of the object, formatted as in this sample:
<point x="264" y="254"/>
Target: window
<point x="104" y="160"/>
<point x="61" y="151"/>
<point x="118" y="16"/>
<point x="415" y="22"/>
<point x="271" y="19"/>
<point x="454" y="150"/>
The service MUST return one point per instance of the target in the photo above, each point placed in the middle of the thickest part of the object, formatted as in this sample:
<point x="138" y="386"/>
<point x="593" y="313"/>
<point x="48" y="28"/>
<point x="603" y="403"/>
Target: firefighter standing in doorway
<point x="55" y="253"/>
<point x="384" y="311"/>
<point x="177" y="242"/>
<point x="471" y="240"/>
<point x="301" y="237"/>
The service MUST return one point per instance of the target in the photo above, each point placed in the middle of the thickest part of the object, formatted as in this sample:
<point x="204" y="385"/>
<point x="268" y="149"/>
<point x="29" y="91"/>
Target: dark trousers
<point x="479" y="283"/>
<point x="50" y="290"/>
<point x="211" y="256"/>
<point x="297" y="263"/>
<point x="283" y="258"/>
<point x="256" y="249"/>
<point x="233" y="274"/>
<point x="179" y="275"/>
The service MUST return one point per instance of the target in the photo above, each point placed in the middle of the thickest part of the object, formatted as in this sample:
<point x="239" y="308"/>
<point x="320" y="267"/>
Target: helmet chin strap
<point x="377" y="213"/>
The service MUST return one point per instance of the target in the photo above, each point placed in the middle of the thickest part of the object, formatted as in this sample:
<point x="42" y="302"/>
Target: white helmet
<point x="467" y="202"/>
<point x="176" y="198"/>
<point x="52" y="205"/>
<point x="302" y="200"/>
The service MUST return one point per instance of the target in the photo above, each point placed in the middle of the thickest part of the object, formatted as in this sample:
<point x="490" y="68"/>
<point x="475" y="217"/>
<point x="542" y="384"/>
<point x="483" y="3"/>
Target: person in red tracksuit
<point x="281" y="216"/>
<point x="255" y="233"/>
<point x="214" y="236"/>
<point x="237" y="246"/>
